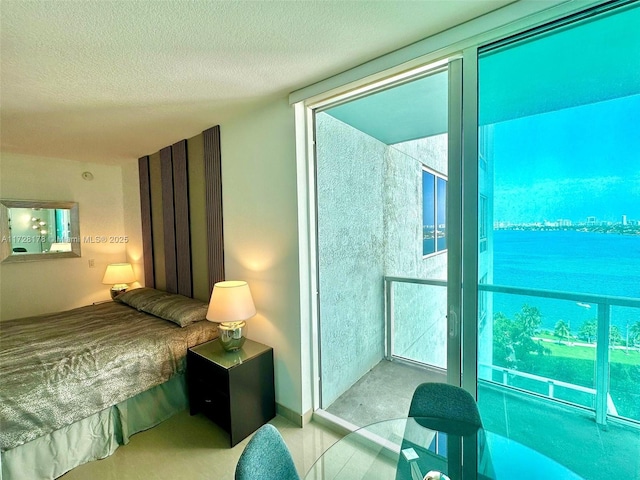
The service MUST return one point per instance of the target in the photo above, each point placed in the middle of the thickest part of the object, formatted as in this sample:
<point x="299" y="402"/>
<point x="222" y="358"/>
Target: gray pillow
<point x="169" y="306"/>
<point x="140" y="297"/>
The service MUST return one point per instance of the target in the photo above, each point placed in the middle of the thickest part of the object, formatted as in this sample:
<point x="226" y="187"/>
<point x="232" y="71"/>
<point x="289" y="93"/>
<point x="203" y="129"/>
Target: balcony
<point x="607" y="392"/>
<point x="590" y="423"/>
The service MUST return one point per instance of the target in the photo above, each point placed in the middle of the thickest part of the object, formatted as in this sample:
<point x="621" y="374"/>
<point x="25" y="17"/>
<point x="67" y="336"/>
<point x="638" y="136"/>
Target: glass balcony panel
<point x="624" y="363"/>
<point x="545" y="346"/>
<point x="549" y="347"/>
<point x="420" y="323"/>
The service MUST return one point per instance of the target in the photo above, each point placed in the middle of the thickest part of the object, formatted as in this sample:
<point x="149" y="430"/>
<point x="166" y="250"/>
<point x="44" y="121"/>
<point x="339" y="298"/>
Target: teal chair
<point x="453" y="412"/>
<point x="266" y="457"/>
<point x="448" y="408"/>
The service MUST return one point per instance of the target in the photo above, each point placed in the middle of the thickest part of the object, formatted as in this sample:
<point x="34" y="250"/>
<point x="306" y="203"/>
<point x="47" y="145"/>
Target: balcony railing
<point x="434" y="310"/>
<point x="550" y="384"/>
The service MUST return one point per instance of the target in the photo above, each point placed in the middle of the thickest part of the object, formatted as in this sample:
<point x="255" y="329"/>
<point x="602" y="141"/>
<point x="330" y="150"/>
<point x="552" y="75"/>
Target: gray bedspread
<point x="59" y="368"/>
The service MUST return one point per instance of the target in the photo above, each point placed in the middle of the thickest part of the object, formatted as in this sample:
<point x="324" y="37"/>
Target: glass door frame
<point x="453" y="65"/>
<point x="471" y="258"/>
<point x="463" y="335"/>
<point x="469" y="253"/>
<point x="453" y="287"/>
<point x="455" y="227"/>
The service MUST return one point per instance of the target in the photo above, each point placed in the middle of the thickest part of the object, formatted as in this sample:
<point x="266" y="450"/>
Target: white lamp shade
<point x="118" y="273"/>
<point x="231" y="301"/>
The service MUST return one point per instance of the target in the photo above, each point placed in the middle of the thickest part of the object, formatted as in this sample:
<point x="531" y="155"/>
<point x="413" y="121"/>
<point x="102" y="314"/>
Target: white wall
<point x="261" y="235"/>
<point x="32" y="288"/>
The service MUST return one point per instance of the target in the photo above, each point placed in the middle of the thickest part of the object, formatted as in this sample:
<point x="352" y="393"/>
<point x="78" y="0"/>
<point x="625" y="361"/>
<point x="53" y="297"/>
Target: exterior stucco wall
<point x="370" y="226"/>
<point x="350" y="178"/>
<point x="419" y="311"/>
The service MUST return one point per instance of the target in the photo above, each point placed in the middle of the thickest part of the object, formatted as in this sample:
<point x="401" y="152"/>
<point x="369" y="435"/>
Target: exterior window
<point x="482" y="223"/>
<point x="482" y="305"/>
<point x="434" y="212"/>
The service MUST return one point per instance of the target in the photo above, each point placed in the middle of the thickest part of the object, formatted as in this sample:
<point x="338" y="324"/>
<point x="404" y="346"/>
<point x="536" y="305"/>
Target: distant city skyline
<point x="590" y="220"/>
<point x="569" y="164"/>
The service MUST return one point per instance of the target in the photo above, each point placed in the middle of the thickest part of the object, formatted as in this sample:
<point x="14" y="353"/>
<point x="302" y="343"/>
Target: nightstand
<point x="234" y="389"/>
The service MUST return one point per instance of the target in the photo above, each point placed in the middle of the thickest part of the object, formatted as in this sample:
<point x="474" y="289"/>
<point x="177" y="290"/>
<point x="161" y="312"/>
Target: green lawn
<point x="589" y="353"/>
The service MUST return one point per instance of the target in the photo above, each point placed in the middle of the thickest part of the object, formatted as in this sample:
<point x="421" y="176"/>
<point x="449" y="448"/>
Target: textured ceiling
<point x="107" y="81"/>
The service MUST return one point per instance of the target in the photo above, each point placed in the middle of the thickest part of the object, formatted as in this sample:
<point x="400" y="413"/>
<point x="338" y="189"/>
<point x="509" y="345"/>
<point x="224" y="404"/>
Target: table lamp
<point x="230" y="305"/>
<point x="118" y="275"/>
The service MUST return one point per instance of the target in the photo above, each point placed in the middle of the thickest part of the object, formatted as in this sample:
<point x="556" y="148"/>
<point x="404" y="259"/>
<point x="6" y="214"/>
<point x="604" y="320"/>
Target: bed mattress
<point x="58" y="368"/>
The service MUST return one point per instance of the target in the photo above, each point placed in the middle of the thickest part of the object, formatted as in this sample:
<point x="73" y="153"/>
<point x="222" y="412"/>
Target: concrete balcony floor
<point x="568" y="435"/>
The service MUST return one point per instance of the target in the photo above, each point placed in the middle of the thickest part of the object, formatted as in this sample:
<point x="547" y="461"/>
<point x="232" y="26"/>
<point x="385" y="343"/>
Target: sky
<point x="570" y="164"/>
<point x="565" y="110"/>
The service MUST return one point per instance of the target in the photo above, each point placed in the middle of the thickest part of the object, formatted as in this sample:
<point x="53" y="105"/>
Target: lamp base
<point x="231" y="335"/>
<point x="117" y="289"/>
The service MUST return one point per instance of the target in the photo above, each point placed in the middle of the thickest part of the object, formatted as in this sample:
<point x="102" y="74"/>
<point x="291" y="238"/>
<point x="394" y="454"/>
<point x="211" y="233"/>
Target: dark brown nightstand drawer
<point x="208" y="392"/>
<point x="216" y="407"/>
<point x="234" y="389"/>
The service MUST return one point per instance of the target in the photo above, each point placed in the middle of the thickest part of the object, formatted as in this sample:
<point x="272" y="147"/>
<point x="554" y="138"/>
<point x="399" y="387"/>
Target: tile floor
<point x="194" y="448"/>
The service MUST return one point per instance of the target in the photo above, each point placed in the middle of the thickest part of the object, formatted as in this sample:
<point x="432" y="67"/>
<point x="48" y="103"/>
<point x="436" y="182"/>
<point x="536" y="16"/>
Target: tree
<point x="589" y="331"/>
<point x="529" y="319"/>
<point x="562" y="330"/>
<point x="614" y="336"/>
<point x="634" y="333"/>
<point x="512" y="343"/>
<point x="503" y="354"/>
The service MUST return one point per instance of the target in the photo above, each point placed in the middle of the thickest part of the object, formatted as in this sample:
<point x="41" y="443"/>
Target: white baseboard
<point x="295" y="417"/>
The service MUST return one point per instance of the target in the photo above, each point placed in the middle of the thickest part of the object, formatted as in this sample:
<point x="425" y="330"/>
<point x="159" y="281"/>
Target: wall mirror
<point x="35" y="230"/>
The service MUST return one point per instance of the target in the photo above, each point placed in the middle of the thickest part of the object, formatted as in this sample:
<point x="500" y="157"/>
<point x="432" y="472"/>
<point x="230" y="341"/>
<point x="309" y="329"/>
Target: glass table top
<point x="407" y="449"/>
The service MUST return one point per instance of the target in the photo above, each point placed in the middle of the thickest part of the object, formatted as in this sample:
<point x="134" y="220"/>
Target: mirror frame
<point x="6" y="252"/>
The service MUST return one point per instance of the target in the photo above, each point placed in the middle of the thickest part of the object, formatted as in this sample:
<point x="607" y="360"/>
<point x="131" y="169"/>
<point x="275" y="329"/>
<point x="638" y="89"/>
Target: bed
<point x="75" y="385"/>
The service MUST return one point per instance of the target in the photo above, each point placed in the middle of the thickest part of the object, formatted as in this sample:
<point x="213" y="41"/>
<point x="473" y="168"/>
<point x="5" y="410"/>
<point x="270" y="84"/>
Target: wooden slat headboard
<point x="180" y="189"/>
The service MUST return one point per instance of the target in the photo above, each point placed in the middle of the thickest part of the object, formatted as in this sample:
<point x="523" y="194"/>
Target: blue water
<point x="568" y="261"/>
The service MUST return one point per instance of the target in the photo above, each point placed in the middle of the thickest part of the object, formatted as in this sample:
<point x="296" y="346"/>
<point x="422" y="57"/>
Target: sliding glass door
<point x="559" y="238"/>
<point x="480" y="220"/>
<point x="384" y="243"/>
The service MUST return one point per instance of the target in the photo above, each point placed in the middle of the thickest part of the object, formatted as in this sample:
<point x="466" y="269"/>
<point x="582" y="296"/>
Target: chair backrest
<point x="448" y="408"/>
<point x="266" y="457"/>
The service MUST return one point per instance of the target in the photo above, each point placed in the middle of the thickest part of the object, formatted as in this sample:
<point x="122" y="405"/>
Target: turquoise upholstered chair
<point x="453" y="412"/>
<point x="449" y="408"/>
<point x="266" y="457"/>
